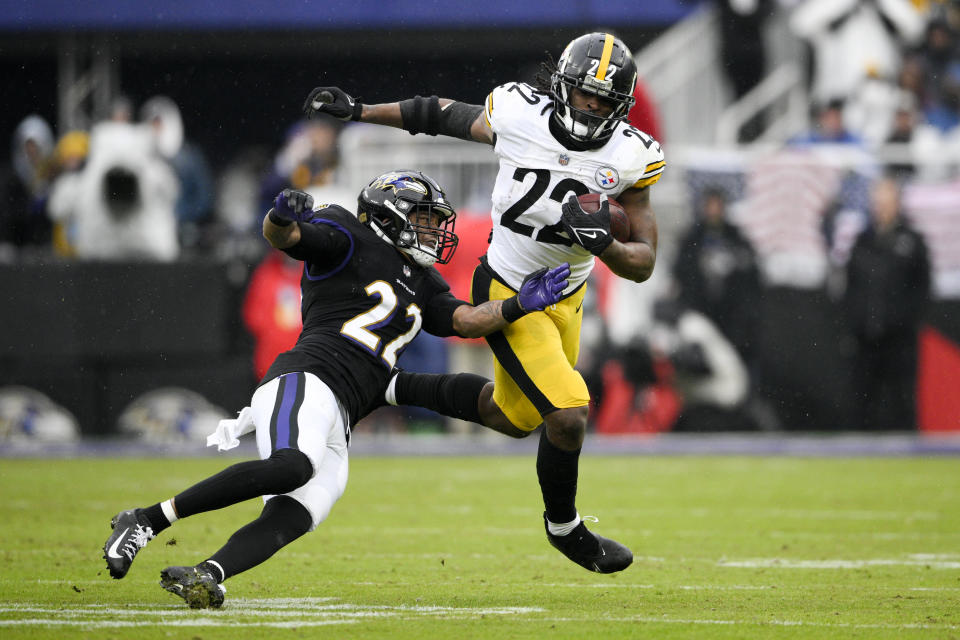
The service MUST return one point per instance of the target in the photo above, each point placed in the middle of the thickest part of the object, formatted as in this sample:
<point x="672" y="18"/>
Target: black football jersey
<point x="362" y="303"/>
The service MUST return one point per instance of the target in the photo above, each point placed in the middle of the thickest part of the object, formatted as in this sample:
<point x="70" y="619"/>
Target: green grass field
<point x="726" y="547"/>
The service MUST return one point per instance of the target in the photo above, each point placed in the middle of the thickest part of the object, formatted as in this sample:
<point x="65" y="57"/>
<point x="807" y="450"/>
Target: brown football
<point x="619" y="222"/>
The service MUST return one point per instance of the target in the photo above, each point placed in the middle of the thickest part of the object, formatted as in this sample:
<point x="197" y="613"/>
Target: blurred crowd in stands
<point x="883" y="72"/>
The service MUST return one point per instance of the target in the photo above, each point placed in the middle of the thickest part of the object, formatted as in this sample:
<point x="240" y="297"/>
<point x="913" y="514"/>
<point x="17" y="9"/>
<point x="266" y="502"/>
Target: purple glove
<point x="333" y="101"/>
<point x="291" y="205"/>
<point x="543" y="288"/>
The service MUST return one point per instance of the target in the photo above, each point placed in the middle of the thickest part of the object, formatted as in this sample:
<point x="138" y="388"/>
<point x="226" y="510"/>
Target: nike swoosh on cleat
<point x="112" y="551"/>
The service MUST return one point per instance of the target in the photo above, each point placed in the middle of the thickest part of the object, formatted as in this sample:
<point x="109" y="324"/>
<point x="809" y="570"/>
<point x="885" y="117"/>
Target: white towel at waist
<point x="228" y="431"/>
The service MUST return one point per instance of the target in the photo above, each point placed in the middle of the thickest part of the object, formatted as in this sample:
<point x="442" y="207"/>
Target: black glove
<point x="589" y="230"/>
<point x="291" y="205"/>
<point x="333" y="101"/>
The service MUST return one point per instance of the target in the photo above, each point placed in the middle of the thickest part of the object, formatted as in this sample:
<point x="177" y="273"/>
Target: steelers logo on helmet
<point x="409" y="210"/>
<point x="599" y="64"/>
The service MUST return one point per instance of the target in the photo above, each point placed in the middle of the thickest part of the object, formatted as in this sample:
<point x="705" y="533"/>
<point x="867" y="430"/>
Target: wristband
<point x="277" y="220"/>
<point x="357" y="111"/>
<point x="511" y="309"/>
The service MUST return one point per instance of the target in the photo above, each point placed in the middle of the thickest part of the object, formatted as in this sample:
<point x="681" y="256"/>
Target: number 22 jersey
<point x="537" y="174"/>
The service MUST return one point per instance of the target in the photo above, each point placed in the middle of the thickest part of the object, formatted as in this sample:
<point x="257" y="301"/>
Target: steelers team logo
<point x="607" y="177"/>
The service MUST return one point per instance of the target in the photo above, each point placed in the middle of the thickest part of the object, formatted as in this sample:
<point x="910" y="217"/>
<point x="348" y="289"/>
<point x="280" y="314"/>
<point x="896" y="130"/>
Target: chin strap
<point x="563" y="136"/>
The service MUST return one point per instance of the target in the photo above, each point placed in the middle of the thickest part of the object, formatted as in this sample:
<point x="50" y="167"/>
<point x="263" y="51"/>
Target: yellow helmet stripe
<point x="605" y="57"/>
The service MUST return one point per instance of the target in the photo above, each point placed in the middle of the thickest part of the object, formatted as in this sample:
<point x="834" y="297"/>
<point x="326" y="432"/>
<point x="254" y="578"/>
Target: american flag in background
<point x="801" y="207"/>
<point x="934" y="210"/>
<point x="782" y="212"/>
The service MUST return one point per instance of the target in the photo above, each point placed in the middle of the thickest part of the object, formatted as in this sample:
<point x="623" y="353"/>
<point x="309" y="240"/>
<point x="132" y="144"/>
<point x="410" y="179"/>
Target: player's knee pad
<point x="290" y="468"/>
<point x="288" y="519"/>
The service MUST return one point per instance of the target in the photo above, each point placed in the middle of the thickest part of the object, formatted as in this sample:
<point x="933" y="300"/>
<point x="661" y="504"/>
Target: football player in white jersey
<point x="564" y="138"/>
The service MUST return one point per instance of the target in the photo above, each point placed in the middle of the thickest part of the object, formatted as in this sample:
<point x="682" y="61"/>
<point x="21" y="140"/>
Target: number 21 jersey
<point x="362" y="305"/>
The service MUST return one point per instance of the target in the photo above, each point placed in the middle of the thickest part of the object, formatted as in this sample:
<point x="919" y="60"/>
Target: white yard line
<point x="287" y="612"/>
<point x="196" y="622"/>
<point x="762" y="623"/>
<point x="783" y="563"/>
<point x="99" y="616"/>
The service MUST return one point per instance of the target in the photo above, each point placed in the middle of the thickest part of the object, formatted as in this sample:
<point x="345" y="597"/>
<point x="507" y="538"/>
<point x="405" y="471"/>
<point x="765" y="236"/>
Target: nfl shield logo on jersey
<point x="406" y="271"/>
<point x="607" y="177"/>
<point x="564" y="159"/>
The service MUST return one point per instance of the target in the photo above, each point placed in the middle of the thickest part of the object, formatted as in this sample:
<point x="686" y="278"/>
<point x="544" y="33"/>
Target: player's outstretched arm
<point x="431" y="115"/>
<point x="634" y="259"/>
<point x="539" y="290"/>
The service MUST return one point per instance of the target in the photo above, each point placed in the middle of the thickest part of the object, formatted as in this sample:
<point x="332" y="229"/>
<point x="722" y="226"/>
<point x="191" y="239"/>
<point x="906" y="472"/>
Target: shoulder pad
<point x="509" y="100"/>
<point x="330" y="211"/>
<point x="439" y="282"/>
<point x="649" y="156"/>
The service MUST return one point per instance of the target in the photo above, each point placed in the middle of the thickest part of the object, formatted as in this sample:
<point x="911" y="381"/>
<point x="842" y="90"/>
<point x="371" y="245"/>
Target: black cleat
<point x="195" y="585"/>
<point x="130" y="534"/>
<point x="590" y="551"/>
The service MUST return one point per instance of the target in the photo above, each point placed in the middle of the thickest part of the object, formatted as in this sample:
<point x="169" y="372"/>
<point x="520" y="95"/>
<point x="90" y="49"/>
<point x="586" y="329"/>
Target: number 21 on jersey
<point x="361" y="329"/>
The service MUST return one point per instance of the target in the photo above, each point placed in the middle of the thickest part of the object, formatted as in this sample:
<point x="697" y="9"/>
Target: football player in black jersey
<point x="563" y="138"/>
<point x="368" y="288"/>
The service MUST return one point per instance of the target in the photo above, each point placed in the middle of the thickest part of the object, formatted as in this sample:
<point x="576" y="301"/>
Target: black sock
<point x="282" y="472"/>
<point x="155" y="516"/>
<point x="450" y="394"/>
<point x="282" y="521"/>
<point x="557" y="472"/>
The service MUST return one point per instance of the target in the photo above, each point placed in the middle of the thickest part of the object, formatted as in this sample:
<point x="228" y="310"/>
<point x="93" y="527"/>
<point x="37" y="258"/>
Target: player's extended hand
<point x="333" y="101"/>
<point x="543" y="288"/>
<point x="293" y="205"/>
<point x="589" y="230"/>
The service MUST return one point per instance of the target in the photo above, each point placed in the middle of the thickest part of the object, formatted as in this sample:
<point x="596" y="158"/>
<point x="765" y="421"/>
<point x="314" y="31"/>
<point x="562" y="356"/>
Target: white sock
<point x="390" y="395"/>
<point x="563" y="529"/>
<point x="216" y="565"/>
<point x="168" y="511"/>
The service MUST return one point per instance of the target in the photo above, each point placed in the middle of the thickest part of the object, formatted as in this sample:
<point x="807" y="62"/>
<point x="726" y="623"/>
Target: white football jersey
<point x="537" y="174"/>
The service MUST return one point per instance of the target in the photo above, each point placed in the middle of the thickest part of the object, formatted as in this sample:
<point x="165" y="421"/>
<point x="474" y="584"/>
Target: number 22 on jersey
<point x="361" y="329"/>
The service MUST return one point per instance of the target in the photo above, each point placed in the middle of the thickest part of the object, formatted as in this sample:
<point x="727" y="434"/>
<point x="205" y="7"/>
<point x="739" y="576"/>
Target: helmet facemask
<point x="408" y="210"/>
<point x="428" y="235"/>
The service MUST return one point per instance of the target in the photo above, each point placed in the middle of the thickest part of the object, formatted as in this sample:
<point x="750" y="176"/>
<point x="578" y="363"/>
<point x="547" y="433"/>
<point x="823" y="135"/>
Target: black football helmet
<point x="597" y="63"/>
<point x="400" y="206"/>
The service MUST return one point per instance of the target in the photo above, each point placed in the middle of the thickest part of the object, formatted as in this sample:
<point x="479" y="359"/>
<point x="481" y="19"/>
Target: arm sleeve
<point x="323" y="242"/>
<point x="438" y="316"/>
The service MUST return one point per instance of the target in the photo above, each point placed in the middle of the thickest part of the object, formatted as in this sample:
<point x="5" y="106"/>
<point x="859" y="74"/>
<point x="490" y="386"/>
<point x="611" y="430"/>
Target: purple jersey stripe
<point x="285" y="415"/>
